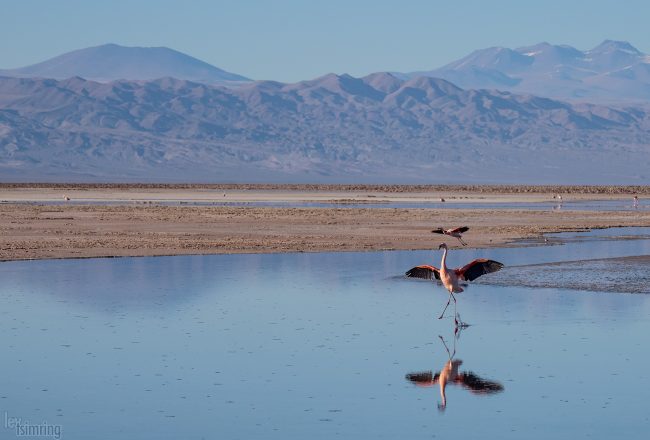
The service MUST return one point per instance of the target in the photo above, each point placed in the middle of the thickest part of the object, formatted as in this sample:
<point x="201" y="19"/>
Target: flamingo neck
<point x="443" y="263"/>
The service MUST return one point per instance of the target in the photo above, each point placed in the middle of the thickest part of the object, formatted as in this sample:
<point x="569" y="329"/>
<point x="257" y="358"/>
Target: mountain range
<point x="113" y="113"/>
<point x="613" y="71"/>
<point x="335" y="128"/>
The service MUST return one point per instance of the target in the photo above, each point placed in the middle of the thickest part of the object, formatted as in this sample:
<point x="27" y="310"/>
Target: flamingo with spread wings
<point x="454" y="232"/>
<point x="451" y="278"/>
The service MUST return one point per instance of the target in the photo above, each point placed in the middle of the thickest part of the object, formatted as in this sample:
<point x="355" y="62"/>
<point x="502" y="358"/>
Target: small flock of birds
<point x="451" y="278"/>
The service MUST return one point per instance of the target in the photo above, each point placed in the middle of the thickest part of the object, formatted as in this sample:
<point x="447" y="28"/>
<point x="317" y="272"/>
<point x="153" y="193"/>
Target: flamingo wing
<point x="425" y="271"/>
<point x="458" y="230"/>
<point x="438" y="231"/>
<point x="422" y="379"/>
<point x="476" y="268"/>
<point x="477" y="384"/>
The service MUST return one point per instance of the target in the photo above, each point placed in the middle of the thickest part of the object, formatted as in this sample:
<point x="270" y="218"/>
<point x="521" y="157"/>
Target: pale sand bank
<point x="137" y="228"/>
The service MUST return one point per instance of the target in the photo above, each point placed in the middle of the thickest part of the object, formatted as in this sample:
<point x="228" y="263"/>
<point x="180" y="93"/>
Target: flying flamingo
<point x="451" y="278"/>
<point x="455" y="232"/>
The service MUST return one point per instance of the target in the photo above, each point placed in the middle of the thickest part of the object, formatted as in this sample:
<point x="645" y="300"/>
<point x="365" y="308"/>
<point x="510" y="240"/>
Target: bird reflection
<point x="451" y="375"/>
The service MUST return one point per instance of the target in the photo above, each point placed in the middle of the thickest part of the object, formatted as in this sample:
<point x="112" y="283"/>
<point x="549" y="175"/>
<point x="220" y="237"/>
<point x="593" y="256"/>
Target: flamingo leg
<point x="445" y="309"/>
<point x="446" y="348"/>
<point x="451" y="296"/>
<point x="462" y="242"/>
<point x="450" y="354"/>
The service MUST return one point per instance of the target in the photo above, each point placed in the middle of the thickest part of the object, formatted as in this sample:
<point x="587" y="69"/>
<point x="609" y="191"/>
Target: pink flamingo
<point x="455" y="232"/>
<point x="451" y="278"/>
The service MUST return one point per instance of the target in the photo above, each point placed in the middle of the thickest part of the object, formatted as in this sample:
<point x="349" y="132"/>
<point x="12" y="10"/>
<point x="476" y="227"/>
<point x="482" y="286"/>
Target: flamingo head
<point x="442" y="246"/>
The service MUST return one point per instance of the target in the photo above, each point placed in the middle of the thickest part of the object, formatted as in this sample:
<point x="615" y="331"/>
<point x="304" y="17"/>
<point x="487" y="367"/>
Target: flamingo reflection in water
<point x="451" y="375"/>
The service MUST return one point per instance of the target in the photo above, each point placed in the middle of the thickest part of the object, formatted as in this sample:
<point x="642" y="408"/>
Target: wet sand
<point x="123" y="220"/>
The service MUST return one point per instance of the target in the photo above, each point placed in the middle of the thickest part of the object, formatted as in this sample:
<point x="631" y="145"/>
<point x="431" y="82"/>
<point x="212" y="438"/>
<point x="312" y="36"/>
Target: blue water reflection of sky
<point x="571" y="205"/>
<point x="315" y="346"/>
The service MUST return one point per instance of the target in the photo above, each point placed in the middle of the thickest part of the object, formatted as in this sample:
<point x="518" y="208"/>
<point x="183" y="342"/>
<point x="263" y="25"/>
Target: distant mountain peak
<point x="381" y="76"/>
<point x="545" y="48"/>
<point x="430" y="82"/>
<point x="109" y="62"/>
<point x="612" y="71"/>
<point x="343" y="84"/>
<point x="491" y="58"/>
<point x="612" y="45"/>
<point x="383" y="81"/>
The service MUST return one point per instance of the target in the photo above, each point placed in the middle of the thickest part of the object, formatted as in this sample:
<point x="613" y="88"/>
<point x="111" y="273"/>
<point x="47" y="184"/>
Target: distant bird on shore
<point x="451" y="278"/>
<point x="455" y="232"/>
<point x="636" y="201"/>
<point x="66" y="198"/>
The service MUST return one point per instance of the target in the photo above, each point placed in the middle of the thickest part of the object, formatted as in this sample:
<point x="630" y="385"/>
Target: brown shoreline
<point x="134" y="223"/>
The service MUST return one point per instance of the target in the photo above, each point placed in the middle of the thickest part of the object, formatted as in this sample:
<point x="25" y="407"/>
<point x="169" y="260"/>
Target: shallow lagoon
<point x="570" y="205"/>
<point x="318" y="346"/>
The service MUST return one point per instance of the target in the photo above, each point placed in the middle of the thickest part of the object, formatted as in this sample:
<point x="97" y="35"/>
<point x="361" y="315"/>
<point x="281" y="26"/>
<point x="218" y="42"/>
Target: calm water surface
<point x="296" y="346"/>
<point x="577" y="205"/>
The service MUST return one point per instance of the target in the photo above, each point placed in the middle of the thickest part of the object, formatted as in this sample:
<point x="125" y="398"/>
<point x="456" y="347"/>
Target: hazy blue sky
<point x="290" y="40"/>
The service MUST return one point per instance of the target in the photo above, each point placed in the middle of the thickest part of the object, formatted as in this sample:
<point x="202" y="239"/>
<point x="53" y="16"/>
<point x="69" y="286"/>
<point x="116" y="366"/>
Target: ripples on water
<point x="625" y="275"/>
<point x="319" y="346"/>
<point x="626" y="271"/>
